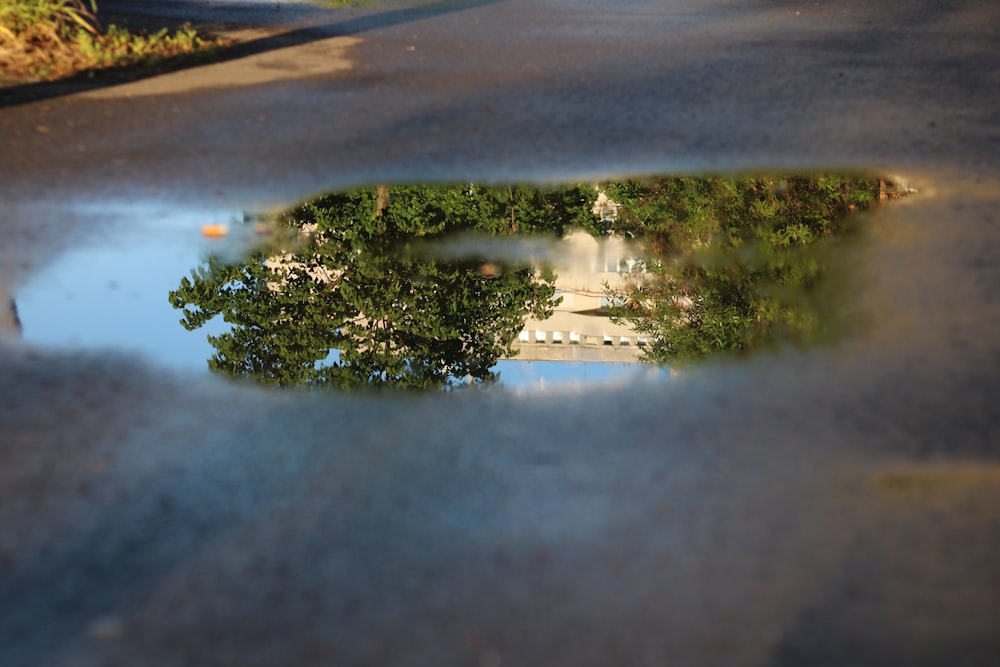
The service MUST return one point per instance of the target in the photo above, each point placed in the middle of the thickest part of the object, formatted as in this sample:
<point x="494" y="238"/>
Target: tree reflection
<point x="352" y="309"/>
<point x="740" y="264"/>
<point x="730" y="265"/>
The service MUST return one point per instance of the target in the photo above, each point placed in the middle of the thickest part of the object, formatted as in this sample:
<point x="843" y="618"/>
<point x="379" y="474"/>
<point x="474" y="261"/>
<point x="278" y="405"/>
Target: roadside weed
<point x="52" y="39"/>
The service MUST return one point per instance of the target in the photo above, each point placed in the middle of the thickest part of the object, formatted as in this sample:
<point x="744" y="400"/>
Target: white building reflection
<point x="589" y="271"/>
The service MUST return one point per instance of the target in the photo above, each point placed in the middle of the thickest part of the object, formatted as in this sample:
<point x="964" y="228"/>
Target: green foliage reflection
<point x="351" y="309"/>
<point x="732" y="264"/>
<point x="741" y="263"/>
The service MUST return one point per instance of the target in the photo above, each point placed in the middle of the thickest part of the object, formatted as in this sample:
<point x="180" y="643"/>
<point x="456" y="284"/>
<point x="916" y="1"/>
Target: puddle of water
<point x="111" y="295"/>
<point x="435" y="286"/>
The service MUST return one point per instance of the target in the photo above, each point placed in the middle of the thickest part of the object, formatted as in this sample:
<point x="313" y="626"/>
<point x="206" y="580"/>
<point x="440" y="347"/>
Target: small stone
<point x="106" y="628"/>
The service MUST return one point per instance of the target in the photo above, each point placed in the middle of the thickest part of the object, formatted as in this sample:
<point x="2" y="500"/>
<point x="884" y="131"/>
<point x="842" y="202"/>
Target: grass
<point x="53" y="39"/>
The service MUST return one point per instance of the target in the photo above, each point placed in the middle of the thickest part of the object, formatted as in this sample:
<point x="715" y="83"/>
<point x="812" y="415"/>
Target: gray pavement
<point x="827" y="506"/>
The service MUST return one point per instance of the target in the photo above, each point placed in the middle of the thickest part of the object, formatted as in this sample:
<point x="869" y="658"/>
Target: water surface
<point x="457" y="285"/>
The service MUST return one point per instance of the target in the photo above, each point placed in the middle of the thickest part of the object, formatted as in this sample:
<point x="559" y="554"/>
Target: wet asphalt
<point x="826" y="506"/>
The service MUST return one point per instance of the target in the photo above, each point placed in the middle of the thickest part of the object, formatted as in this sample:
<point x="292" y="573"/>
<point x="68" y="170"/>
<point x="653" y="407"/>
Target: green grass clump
<point x="117" y="47"/>
<point x="37" y="36"/>
<point x="52" y="39"/>
<point x="20" y="19"/>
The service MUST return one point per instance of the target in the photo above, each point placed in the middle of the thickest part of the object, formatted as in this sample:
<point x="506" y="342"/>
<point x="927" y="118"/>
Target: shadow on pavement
<point x="246" y="16"/>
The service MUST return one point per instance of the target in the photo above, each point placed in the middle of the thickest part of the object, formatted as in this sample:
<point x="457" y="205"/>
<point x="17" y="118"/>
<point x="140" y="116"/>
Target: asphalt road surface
<point x="828" y="506"/>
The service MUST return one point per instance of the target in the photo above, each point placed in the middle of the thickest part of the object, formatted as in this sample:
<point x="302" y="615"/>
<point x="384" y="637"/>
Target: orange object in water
<point x="214" y="230"/>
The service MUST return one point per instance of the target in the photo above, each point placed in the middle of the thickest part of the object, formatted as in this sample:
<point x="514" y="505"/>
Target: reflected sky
<point x="113" y="296"/>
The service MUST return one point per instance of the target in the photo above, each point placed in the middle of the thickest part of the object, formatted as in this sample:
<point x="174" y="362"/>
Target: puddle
<point x="445" y="286"/>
